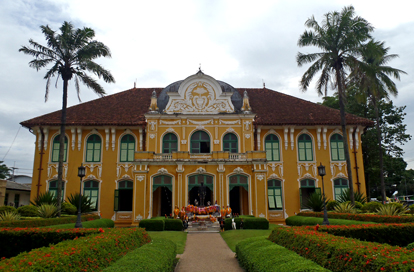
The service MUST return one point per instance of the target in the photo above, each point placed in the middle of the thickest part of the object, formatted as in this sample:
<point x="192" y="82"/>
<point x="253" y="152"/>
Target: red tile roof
<point x="128" y="108"/>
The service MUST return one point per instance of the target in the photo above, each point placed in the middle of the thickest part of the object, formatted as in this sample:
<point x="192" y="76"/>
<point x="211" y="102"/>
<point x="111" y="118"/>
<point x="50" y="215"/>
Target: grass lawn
<point x="312" y="221"/>
<point x="178" y="237"/>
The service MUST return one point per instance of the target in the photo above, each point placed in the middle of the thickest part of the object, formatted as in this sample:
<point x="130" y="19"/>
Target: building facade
<point x="149" y="150"/>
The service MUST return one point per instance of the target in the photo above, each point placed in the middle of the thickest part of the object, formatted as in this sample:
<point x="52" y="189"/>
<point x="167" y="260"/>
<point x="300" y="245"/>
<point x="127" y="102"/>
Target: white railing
<point x="237" y="156"/>
<point x="165" y="156"/>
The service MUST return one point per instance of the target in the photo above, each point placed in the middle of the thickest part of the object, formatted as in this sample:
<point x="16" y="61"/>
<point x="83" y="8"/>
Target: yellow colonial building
<point x="147" y="150"/>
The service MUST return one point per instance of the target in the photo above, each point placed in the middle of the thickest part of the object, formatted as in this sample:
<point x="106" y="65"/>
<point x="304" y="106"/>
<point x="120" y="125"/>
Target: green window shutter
<point x="318" y="191"/>
<point x="116" y="200"/>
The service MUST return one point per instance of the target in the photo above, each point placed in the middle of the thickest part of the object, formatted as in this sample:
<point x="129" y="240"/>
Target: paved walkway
<point x="206" y="252"/>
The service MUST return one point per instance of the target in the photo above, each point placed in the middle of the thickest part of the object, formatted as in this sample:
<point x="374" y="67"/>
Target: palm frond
<point x="91" y="83"/>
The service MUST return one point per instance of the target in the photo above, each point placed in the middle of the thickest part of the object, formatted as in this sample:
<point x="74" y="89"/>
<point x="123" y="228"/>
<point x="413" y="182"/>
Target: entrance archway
<point x="194" y="183"/>
<point x="162" y="196"/>
<point x="239" y="194"/>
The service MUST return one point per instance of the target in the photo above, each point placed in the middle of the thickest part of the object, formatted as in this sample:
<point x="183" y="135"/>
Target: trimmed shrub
<point x="28" y="211"/>
<point x="248" y="223"/>
<point x="47" y="210"/>
<point x="7" y="209"/>
<point x="392" y="234"/>
<point x="315" y="202"/>
<point x="86" y="202"/>
<point x="152" y="225"/>
<point x="44" y="198"/>
<point x="344" y="207"/>
<point x="331" y="205"/>
<point x="341" y="253"/>
<point x="258" y="254"/>
<point x="98" y="223"/>
<point x="410" y="246"/>
<point x="46" y="222"/>
<point x="371" y="207"/>
<point x="159" y="255"/>
<point x="173" y="224"/>
<point x="68" y="208"/>
<point x="392" y="209"/>
<point x="313" y="221"/>
<point x="363" y="217"/>
<point x="91" y="253"/>
<point x="19" y="240"/>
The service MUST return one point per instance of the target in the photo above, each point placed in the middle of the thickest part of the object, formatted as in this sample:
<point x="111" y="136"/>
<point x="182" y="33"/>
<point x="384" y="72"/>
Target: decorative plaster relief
<point x="183" y="141"/>
<point x="152" y="135"/>
<point x="152" y="125"/>
<point x="162" y="171"/>
<point x="216" y="141"/>
<point x="238" y="170"/>
<point x="247" y="136"/>
<point x="170" y="122"/>
<point x="201" y="170"/>
<point x="247" y="125"/>
<point x="140" y="178"/>
<point x="200" y="127"/>
<point x="138" y="218"/>
<point x="200" y="122"/>
<point x="260" y="177"/>
<point x="170" y="130"/>
<point x="230" y="129"/>
<point x="229" y="122"/>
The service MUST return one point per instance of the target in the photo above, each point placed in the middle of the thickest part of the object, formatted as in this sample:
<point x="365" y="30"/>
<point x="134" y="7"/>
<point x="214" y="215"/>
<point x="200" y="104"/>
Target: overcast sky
<point x="155" y="43"/>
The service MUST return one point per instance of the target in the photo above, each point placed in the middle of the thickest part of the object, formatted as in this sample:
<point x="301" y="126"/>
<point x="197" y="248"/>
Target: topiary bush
<point x="371" y="207"/>
<point x="152" y="225"/>
<point x="331" y="205"/>
<point x="158" y="255"/>
<point x="68" y="208"/>
<point x="7" y="209"/>
<point x="173" y="224"/>
<point x="259" y="254"/>
<point x="410" y="246"/>
<point x="28" y="211"/>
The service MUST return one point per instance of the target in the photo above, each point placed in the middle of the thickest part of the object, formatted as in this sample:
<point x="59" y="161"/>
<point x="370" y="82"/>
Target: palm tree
<point x="372" y="77"/>
<point x="340" y="38"/>
<point x="71" y="53"/>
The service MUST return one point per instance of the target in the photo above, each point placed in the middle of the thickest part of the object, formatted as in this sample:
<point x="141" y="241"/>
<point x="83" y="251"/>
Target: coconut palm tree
<point x="372" y="77"/>
<point x="71" y="54"/>
<point x="339" y="37"/>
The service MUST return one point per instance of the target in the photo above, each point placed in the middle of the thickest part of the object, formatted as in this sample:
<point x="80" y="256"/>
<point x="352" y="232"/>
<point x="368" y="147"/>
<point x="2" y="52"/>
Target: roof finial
<point x="153" y="106"/>
<point x="264" y="84"/>
<point x="246" y="104"/>
<point x="199" y="70"/>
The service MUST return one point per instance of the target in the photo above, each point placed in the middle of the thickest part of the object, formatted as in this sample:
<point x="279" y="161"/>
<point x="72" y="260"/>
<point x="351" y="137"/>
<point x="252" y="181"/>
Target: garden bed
<point x="363" y="217"/>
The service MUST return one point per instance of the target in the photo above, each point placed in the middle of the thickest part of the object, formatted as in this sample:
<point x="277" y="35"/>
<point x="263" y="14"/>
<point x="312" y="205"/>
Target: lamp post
<point x="322" y="172"/>
<point x="81" y="174"/>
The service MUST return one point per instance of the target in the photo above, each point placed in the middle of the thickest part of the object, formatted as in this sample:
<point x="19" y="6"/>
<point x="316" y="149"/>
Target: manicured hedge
<point x="248" y="223"/>
<point x="393" y="234"/>
<point x="28" y="210"/>
<point x="173" y="224"/>
<point x="363" y="217"/>
<point x="17" y="240"/>
<point x="313" y="221"/>
<point x="157" y="256"/>
<point x="260" y="254"/>
<point x="46" y="222"/>
<point x="152" y="224"/>
<point x="91" y="253"/>
<point x="98" y="223"/>
<point x="7" y="209"/>
<point x="340" y="253"/>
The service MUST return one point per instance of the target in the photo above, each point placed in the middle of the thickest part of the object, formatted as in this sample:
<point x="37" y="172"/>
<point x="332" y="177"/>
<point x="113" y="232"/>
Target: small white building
<point x="17" y="194"/>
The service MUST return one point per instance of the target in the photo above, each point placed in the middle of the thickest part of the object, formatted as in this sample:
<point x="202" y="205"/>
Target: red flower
<point x="101" y="230"/>
<point x="30" y="263"/>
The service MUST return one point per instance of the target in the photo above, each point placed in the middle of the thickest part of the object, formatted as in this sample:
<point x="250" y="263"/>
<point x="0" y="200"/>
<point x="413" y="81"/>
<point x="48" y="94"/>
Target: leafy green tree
<point x="340" y="38"/>
<point x="372" y="77"/>
<point x="4" y="171"/>
<point x="394" y="134"/>
<point x="71" y="53"/>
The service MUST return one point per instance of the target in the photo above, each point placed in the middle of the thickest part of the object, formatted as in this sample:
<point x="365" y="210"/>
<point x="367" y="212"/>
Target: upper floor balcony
<point x="211" y="157"/>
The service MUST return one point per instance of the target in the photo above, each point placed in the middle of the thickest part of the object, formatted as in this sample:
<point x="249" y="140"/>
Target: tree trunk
<point x="344" y="134"/>
<point x="62" y="144"/>
<point x="379" y="139"/>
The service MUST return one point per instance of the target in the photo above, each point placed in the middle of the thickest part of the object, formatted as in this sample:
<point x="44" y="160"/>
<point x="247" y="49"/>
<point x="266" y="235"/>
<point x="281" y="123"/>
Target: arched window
<point x="340" y="185"/>
<point x="93" y="148"/>
<point x="307" y="187"/>
<point x="53" y="186"/>
<point x="91" y="190"/>
<point x="169" y="143"/>
<point x="305" y="148"/>
<point x="230" y="143"/>
<point x="127" y="150"/>
<point x="274" y="194"/>
<point x="272" y="148"/>
<point x="124" y="196"/>
<point x="200" y="142"/>
<point x="337" y="148"/>
<point x="55" y="149"/>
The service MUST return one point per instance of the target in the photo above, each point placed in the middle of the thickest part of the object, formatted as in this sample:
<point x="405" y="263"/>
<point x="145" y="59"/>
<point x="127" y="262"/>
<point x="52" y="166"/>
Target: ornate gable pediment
<point x="199" y="94"/>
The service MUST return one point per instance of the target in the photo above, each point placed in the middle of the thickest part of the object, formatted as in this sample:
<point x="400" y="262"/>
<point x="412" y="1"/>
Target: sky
<point x="154" y="43"/>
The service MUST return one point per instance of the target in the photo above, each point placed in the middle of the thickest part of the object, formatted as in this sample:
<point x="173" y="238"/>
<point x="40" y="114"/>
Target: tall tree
<point x="71" y="53"/>
<point x="4" y="171"/>
<point x="340" y="38"/>
<point x="372" y="77"/>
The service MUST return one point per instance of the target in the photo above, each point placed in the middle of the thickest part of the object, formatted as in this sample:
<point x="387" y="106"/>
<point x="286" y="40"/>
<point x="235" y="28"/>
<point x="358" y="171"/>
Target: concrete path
<point x="205" y="252"/>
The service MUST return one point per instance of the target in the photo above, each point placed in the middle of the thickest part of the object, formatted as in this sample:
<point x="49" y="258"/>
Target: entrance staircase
<point x="203" y="227"/>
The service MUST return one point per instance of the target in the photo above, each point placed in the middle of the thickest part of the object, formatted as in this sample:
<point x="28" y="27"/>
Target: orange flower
<point x="101" y="230"/>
